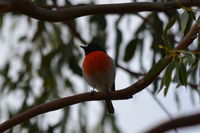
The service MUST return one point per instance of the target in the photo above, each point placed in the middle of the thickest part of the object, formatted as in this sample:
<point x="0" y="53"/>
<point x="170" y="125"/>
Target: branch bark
<point x="31" y="9"/>
<point x="176" y="123"/>
<point x="122" y="94"/>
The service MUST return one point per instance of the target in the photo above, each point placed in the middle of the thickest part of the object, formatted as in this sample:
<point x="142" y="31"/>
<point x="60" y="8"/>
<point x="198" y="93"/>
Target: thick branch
<point x="30" y="9"/>
<point x="114" y="95"/>
<point x="176" y="123"/>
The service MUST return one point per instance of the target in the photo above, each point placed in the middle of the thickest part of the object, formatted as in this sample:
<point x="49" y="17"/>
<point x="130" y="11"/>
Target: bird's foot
<point x="92" y="92"/>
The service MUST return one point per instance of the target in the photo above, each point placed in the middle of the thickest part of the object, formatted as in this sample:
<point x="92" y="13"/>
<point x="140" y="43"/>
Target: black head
<point x="92" y="47"/>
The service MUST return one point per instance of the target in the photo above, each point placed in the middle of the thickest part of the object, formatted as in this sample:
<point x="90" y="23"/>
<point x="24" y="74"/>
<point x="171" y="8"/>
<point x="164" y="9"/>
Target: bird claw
<point x="92" y="92"/>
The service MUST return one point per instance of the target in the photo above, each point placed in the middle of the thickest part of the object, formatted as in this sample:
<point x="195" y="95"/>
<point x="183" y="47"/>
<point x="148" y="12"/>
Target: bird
<point x="99" y="70"/>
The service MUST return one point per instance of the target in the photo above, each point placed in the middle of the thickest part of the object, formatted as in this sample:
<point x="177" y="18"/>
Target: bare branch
<point x="31" y="9"/>
<point x="177" y="123"/>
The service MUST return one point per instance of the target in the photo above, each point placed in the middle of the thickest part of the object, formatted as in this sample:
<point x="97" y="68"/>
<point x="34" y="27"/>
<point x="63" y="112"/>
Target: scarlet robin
<point x="99" y="70"/>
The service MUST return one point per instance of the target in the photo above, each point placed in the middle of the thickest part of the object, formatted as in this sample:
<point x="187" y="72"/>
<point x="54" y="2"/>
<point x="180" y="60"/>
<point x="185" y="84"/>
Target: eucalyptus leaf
<point x="156" y="68"/>
<point x="130" y="49"/>
<point x="165" y="34"/>
<point x="182" y="74"/>
<point x="184" y="19"/>
<point x="168" y="74"/>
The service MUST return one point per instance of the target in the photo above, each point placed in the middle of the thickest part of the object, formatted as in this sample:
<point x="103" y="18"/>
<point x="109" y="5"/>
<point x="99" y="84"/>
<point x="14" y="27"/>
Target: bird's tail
<point x="109" y="107"/>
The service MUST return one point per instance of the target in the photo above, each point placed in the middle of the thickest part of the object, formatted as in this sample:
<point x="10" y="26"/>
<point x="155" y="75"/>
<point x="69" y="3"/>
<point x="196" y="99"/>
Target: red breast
<point x="96" y="62"/>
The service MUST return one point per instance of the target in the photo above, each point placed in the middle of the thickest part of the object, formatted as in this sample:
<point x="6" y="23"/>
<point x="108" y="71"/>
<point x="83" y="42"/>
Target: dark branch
<point x="31" y="9"/>
<point x="177" y="123"/>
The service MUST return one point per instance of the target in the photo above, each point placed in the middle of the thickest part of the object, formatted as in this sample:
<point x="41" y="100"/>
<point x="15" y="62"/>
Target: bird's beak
<point x="83" y="47"/>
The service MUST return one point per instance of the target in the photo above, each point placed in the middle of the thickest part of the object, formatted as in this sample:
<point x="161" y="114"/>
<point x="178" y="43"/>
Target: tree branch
<point x="137" y="75"/>
<point x="31" y="9"/>
<point x="176" y="123"/>
<point x="124" y="93"/>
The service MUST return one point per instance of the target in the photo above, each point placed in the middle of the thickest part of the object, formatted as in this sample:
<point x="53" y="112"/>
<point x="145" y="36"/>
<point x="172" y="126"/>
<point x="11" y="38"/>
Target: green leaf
<point x="115" y="127"/>
<point x="74" y="65"/>
<point x="171" y="22"/>
<point x="156" y="68"/>
<point x="68" y="83"/>
<point x="130" y="50"/>
<point x="184" y="17"/>
<point x="168" y="74"/>
<point x="193" y="69"/>
<point x="26" y="60"/>
<point x="166" y="80"/>
<point x="119" y="37"/>
<point x="161" y="85"/>
<point x="40" y="29"/>
<point x="6" y="69"/>
<point x="182" y="74"/>
<point x="192" y="14"/>
<point x="189" y="24"/>
<point x="165" y="34"/>
<point x="165" y="91"/>
<point x="189" y="57"/>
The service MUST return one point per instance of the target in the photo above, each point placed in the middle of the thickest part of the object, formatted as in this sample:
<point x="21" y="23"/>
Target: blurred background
<point x="41" y="61"/>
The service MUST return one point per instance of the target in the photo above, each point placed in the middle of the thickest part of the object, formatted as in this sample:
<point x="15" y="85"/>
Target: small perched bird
<point x="99" y="70"/>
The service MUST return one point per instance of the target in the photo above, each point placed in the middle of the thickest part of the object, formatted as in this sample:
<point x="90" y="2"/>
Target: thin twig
<point x="74" y="32"/>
